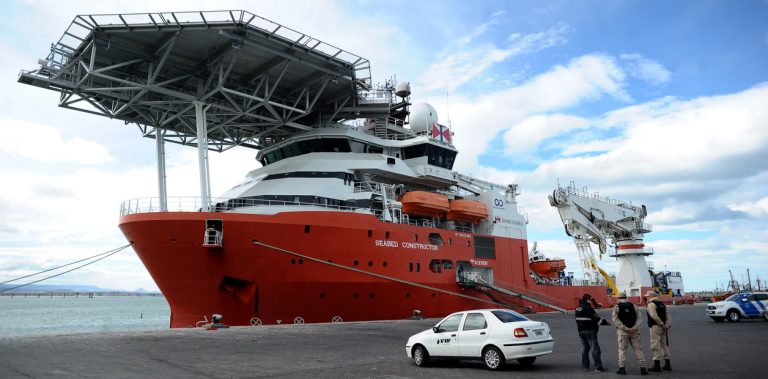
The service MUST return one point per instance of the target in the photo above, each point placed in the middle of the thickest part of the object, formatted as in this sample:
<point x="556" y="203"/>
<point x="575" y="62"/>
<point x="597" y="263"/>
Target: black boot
<point x="656" y="366"/>
<point x="667" y="366"/>
<point x="643" y="371"/>
<point x="622" y="371"/>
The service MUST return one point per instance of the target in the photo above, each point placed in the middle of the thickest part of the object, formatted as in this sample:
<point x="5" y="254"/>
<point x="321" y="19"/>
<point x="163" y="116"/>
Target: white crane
<point x="610" y="224"/>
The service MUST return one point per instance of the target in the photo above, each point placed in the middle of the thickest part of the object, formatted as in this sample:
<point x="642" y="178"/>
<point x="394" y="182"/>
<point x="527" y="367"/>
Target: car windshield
<point x="733" y="297"/>
<point x="508" y="316"/>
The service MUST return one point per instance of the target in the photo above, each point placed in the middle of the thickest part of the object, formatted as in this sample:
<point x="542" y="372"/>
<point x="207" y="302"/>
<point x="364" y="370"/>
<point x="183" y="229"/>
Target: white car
<point x="491" y="335"/>
<point x="738" y="306"/>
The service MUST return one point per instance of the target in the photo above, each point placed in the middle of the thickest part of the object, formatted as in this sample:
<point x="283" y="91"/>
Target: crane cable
<point x="103" y="255"/>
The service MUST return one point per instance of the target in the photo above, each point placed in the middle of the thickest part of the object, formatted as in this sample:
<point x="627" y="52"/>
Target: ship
<point x="354" y="211"/>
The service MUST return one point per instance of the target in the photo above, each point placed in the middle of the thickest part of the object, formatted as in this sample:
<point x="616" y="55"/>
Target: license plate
<point x="538" y="332"/>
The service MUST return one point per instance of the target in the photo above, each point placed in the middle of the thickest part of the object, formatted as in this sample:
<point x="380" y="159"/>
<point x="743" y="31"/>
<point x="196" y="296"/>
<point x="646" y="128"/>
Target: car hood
<point x="421" y="334"/>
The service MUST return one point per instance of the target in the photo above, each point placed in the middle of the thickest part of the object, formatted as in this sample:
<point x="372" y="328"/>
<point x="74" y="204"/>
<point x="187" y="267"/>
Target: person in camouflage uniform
<point x="627" y="320"/>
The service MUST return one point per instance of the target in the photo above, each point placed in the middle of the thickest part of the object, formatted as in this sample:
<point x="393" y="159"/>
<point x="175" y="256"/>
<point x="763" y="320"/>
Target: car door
<point x="747" y="303"/>
<point x="473" y="335"/>
<point x="445" y="342"/>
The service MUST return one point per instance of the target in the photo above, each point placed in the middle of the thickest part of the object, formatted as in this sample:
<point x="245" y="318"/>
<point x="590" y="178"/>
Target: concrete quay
<point x="700" y="348"/>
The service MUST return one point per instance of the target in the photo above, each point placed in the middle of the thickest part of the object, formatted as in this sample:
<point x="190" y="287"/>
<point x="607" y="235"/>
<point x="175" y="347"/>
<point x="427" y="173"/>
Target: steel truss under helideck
<point x="259" y="82"/>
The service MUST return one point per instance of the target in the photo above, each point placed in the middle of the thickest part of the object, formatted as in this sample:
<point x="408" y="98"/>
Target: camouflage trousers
<point x="659" y="343"/>
<point x="625" y="340"/>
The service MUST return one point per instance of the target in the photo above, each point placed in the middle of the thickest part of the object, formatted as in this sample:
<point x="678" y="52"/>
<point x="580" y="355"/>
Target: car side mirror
<point x="435" y="329"/>
<point x="743" y="299"/>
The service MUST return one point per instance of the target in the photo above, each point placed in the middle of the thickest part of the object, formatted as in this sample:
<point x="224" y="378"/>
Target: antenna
<point x="448" y="109"/>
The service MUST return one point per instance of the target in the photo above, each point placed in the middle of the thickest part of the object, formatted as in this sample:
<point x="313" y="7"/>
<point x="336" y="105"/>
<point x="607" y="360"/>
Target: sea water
<point x="33" y="315"/>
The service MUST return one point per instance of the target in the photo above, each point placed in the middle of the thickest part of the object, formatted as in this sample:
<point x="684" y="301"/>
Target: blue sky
<point x="661" y="103"/>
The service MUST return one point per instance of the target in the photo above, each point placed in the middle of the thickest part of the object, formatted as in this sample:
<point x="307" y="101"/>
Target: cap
<point x="651" y="294"/>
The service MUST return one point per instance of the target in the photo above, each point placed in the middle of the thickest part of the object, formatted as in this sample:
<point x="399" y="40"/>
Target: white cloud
<point x="646" y="69"/>
<point x="719" y="135"/>
<point x="527" y="134"/>
<point x="458" y="65"/>
<point x="478" y="120"/>
<point x="44" y="143"/>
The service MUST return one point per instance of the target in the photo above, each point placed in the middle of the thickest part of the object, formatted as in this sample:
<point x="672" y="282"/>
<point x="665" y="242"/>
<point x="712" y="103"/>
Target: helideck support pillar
<point x="160" y="147"/>
<point x="202" y="156"/>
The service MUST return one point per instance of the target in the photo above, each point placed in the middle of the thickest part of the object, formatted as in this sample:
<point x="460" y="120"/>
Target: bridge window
<point x="448" y="265"/>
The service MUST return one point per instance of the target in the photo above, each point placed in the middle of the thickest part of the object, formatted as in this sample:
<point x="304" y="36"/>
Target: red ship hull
<point x="297" y="267"/>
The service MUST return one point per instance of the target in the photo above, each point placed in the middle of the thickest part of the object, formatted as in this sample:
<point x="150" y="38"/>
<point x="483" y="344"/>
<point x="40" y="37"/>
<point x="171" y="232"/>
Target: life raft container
<point x="422" y="203"/>
<point x="467" y="211"/>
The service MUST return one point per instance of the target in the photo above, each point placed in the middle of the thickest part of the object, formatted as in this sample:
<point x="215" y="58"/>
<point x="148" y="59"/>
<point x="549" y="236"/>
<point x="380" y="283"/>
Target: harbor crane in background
<point x="616" y="227"/>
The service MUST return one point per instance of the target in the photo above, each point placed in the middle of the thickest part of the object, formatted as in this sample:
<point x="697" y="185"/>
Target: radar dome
<point x="403" y="89"/>
<point x="422" y="117"/>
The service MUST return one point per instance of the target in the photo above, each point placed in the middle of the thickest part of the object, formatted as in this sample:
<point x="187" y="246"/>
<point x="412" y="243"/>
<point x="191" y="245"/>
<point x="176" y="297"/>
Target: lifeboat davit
<point x="422" y="203"/>
<point x="467" y="211"/>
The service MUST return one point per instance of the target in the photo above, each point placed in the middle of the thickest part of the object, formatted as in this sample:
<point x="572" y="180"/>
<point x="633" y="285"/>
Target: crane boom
<point x="616" y="227"/>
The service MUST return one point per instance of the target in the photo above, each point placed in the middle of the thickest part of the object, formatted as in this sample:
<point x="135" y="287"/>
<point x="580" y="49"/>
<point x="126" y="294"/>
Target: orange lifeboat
<point x="422" y="203"/>
<point x="467" y="211"/>
<point x="548" y="268"/>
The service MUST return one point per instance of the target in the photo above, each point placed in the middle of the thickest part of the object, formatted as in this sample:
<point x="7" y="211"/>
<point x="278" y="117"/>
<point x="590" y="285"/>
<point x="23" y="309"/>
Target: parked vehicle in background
<point x="494" y="336"/>
<point x="738" y="306"/>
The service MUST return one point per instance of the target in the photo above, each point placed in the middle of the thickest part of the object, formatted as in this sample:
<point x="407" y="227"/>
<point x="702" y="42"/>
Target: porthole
<point x="371" y="295"/>
<point x="293" y="261"/>
<point x="433" y="294"/>
<point x="356" y="263"/>
<point x="355" y="296"/>
<point x="370" y="263"/>
<point x="384" y="263"/>
<point x="306" y="228"/>
<point x="408" y="295"/>
<point x="322" y="295"/>
<point x="370" y="233"/>
<point x="301" y="261"/>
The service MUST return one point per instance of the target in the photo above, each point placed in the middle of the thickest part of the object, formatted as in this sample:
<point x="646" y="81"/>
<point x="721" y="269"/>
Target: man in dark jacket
<point x="587" y="321"/>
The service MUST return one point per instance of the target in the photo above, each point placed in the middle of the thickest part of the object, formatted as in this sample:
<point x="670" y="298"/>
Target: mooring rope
<point x="103" y="255"/>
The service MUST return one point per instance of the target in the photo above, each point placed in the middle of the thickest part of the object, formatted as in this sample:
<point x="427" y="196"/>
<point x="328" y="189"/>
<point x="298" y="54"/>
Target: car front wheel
<point x="420" y="356"/>
<point x="733" y="316"/>
<point x="527" y="361"/>
<point x="493" y="359"/>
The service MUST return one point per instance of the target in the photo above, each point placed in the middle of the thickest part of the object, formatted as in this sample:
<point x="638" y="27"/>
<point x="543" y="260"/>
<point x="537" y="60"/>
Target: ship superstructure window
<point x="434" y="266"/>
<point x="484" y="247"/>
<point x="448" y="265"/>
<point x="319" y="145"/>
<point x="436" y="155"/>
<point x="436" y="239"/>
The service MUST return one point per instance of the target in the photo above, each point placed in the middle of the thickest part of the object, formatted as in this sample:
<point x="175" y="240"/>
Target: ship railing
<point x="196" y="204"/>
<point x="375" y="187"/>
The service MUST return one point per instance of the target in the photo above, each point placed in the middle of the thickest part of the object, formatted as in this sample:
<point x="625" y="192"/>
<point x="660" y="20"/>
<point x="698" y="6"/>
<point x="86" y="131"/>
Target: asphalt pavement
<point x="700" y="348"/>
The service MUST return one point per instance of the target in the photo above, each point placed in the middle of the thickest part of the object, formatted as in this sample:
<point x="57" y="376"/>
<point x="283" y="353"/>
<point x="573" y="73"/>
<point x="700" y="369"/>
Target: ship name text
<point x="476" y="262"/>
<point x="406" y="245"/>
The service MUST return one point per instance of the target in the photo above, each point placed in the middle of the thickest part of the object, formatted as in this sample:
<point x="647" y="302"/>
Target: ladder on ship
<point x="473" y="279"/>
